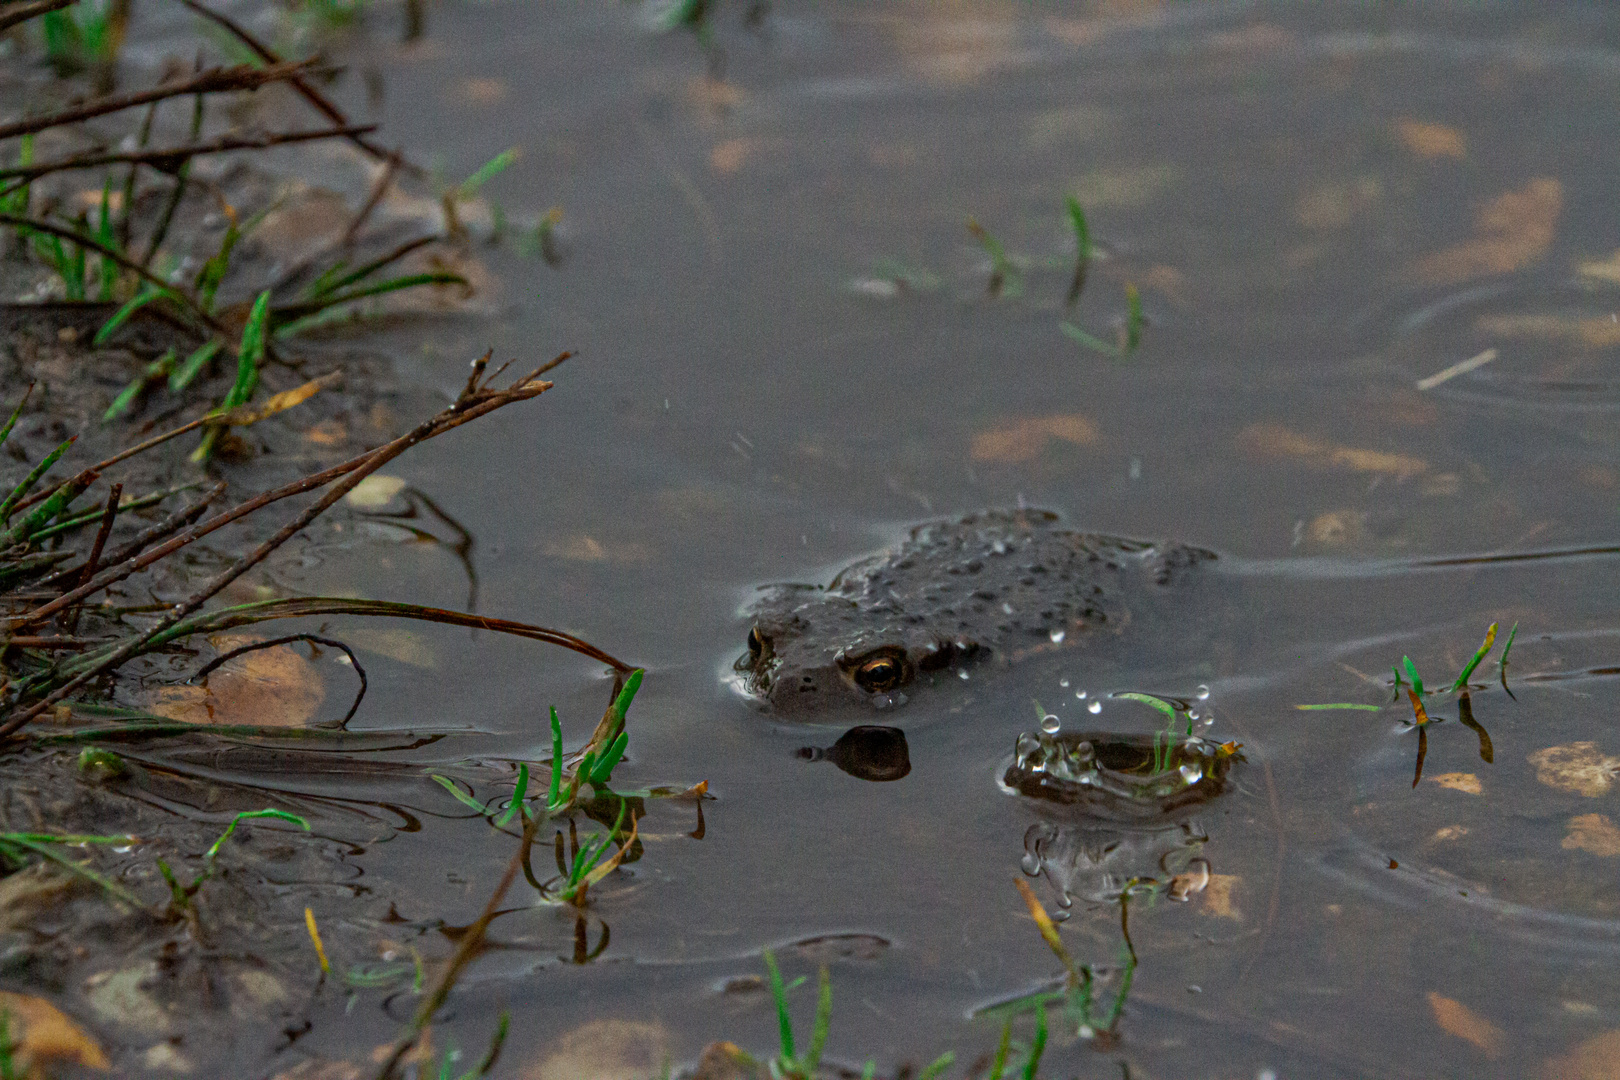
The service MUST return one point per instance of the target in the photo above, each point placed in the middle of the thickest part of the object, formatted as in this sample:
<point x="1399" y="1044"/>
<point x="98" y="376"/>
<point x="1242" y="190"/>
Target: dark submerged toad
<point x="992" y="585"/>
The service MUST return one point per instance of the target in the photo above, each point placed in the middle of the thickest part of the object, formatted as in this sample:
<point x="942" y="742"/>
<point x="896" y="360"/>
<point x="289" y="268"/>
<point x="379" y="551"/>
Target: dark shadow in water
<point x="869" y="752"/>
<point x="461" y="546"/>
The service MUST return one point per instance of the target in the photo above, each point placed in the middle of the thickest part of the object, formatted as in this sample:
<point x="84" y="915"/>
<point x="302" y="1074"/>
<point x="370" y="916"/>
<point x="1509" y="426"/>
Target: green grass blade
<point x="1340" y="705"/>
<point x="32" y="478"/>
<point x="245" y="815"/>
<point x="999" y="1065"/>
<point x="818" y="1033"/>
<point x="49" y="853"/>
<point x="1134" y="320"/>
<point x="213" y="271"/>
<point x="517" y="796"/>
<point x="5" y="432"/>
<point x="784" y="1022"/>
<point x="1038" y="1047"/>
<point x="1158" y="703"/>
<point x="602" y="771"/>
<point x="555" y="790"/>
<point x="1094" y="343"/>
<point x="486" y="172"/>
<point x="937" y="1066"/>
<point x="47" y="511"/>
<point x="125" y="401"/>
<point x="1503" y="662"/>
<point x="192" y="366"/>
<point x="461" y="797"/>
<point x="1479" y="654"/>
<point x="1082" y="231"/>
<point x="123" y="314"/>
<point x="621" y="704"/>
<point x="1412" y="676"/>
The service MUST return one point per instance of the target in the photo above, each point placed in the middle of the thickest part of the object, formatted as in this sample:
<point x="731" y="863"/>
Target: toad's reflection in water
<point x="870" y="752"/>
<point x="1099" y="863"/>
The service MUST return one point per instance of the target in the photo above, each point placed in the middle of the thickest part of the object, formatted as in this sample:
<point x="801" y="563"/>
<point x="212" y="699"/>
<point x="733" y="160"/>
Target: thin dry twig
<point x="168" y="159"/>
<point x="468" y="407"/>
<point x="320" y="101"/>
<point x="21" y="13"/>
<point x="467" y="949"/>
<point x="212" y="81"/>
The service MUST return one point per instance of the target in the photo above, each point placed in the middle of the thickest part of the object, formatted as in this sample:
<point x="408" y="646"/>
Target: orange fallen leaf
<point x="1218" y="896"/>
<point x="42" y="1036"/>
<point x="1598" y="1058"/>
<point x="274" y="687"/>
<point x="1594" y="833"/>
<point x="1459" y="781"/>
<point x="1512" y="231"/>
<point x="483" y="91"/>
<point x="1457" y="1019"/>
<point x="1430" y="140"/>
<point x="1577" y="767"/>
<point x="1018" y="441"/>
<point x="728" y="157"/>
<point x="1276" y="441"/>
<point x="1602" y="269"/>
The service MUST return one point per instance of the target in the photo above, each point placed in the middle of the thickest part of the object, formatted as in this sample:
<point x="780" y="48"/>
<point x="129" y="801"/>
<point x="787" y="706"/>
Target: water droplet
<point x="1081" y="694"/>
<point x="962" y="673"/>
<point x="1063" y="681"/>
<point x="881" y="701"/>
<point x="1191" y="773"/>
<point x="1203" y="693"/>
<point x="1192" y="714"/>
<point x="1050" y="724"/>
<point x="1209" y="721"/>
<point x="1006" y="608"/>
<point x="1094" y="708"/>
<point x="1030" y="864"/>
<point x="1057" y="636"/>
<point x="1085" y="751"/>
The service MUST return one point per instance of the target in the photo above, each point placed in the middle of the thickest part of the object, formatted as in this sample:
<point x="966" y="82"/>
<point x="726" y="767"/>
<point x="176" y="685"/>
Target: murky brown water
<point x="1320" y="210"/>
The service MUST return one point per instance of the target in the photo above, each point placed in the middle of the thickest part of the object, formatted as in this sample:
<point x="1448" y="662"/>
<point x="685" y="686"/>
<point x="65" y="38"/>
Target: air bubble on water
<point x="1057" y="636"/>
<point x="1192" y="714"/>
<point x="1030" y="864"/>
<point x="1050" y="724"/>
<point x="900" y="698"/>
<point x="1061" y="915"/>
<point x="1063" y="681"/>
<point x="962" y="673"/>
<point x="881" y="701"/>
<point x="999" y="547"/>
<point x="1094" y="708"/>
<point x="1006" y="608"/>
<point x="1081" y="694"/>
<point x="1209" y="721"/>
<point x="1203" y="693"/>
<point x="123" y="849"/>
<point x="1191" y="773"/>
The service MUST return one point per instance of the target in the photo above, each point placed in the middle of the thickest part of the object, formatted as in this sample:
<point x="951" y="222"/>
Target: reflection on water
<point x="869" y="751"/>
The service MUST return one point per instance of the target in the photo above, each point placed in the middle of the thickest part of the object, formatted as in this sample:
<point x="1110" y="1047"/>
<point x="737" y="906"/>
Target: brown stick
<point x="102" y="533"/>
<point x="212" y="81"/>
<point x="102" y="466"/>
<point x="466" y="949"/>
<point x="174" y="522"/>
<point x="17" y="13"/>
<point x="169" y="158"/>
<point x="467" y="408"/>
<point x="320" y="101"/>
<point x="378" y="190"/>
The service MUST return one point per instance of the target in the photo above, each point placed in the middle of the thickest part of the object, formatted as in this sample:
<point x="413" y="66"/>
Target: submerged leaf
<point x="1457" y="1019"/>
<point x="42" y="1037"/>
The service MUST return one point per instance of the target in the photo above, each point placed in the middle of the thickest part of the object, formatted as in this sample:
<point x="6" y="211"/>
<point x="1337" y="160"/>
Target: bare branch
<point x="168" y="159"/>
<point x="212" y="81"/>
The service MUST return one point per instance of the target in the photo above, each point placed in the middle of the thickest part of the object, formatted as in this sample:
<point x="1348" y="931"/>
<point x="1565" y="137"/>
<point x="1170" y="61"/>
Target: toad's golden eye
<point x="880" y="673"/>
<point x="756" y="644"/>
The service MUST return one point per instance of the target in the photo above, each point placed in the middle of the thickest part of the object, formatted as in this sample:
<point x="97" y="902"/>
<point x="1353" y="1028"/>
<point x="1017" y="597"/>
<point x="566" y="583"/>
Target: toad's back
<point x="998" y="583"/>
